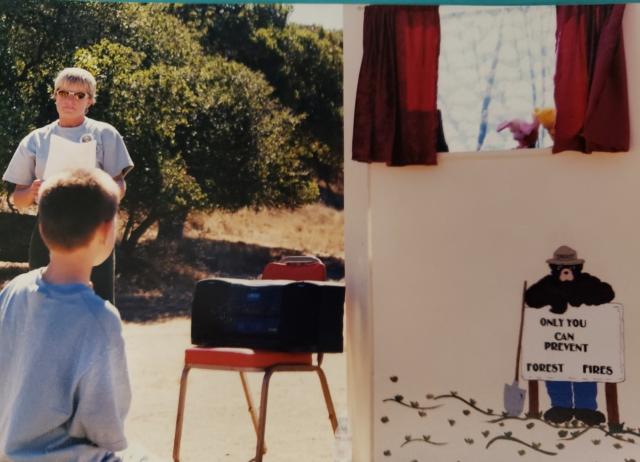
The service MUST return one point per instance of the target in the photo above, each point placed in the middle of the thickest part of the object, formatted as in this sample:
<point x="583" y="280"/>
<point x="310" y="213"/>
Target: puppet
<point x="525" y="133"/>
<point x="547" y="118"/>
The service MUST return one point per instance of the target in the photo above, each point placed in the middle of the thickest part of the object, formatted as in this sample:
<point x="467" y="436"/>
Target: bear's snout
<point x="566" y="275"/>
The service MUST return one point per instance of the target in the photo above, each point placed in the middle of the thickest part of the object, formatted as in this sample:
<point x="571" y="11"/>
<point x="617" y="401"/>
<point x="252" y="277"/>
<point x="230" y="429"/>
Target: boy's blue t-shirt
<point x="64" y="384"/>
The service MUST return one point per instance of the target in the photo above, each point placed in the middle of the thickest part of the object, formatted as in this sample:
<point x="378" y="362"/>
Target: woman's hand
<point x="25" y="195"/>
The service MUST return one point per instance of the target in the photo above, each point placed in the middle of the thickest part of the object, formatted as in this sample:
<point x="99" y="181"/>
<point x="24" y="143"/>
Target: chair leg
<point x="264" y="394"/>
<point x="179" y="419"/>
<point x="252" y="409"/>
<point x="327" y="398"/>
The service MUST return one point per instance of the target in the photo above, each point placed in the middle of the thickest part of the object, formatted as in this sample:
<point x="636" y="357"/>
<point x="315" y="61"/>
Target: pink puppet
<point x="525" y="133"/>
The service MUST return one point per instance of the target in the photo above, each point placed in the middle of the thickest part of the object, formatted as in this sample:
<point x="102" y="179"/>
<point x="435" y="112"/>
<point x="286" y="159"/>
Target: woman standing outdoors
<point x="74" y="93"/>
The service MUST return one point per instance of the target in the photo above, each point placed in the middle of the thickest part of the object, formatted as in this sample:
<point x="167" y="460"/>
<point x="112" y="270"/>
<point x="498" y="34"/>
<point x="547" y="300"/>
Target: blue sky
<point x="326" y="15"/>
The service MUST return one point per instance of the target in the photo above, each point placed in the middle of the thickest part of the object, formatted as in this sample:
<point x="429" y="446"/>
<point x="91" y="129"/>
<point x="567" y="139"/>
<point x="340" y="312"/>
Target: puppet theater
<point x="439" y="246"/>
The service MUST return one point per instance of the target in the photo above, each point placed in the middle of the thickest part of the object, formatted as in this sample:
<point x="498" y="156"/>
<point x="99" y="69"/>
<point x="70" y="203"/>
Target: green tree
<point x="303" y="64"/>
<point x="227" y="29"/>
<point x="206" y="135"/>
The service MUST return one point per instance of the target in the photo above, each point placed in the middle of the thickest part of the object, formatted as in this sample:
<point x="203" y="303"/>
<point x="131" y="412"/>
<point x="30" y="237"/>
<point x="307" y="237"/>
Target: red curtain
<point x="591" y="80"/>
<point x="395" y="119"/>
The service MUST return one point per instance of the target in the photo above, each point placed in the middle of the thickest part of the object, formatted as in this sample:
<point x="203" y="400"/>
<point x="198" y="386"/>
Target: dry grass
<point x="314" y="229"/>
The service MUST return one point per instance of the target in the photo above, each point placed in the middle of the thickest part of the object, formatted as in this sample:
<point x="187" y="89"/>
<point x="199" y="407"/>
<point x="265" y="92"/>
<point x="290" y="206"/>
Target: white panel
<point x="449" y="248"/>
<point x="359" y="306"/>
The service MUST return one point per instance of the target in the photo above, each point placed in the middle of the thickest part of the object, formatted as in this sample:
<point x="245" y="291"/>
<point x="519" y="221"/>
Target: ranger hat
<point x="565" y="255"/>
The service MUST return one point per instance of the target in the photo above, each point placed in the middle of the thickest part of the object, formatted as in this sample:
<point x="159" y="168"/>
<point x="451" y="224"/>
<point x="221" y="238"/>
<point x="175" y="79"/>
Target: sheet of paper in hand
<point x="68" y="155"/>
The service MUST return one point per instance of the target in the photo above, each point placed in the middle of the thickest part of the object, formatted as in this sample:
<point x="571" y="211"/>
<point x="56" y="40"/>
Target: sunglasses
<point x="79" y="95"/>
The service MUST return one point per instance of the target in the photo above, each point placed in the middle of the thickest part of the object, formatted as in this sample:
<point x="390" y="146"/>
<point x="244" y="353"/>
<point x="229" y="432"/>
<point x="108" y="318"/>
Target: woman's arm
<point x="122" y="185"/>
<point x="25" y="195"/>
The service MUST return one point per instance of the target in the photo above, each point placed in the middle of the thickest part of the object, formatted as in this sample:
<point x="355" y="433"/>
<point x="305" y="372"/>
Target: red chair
<point x="267" y="362"/>
<point x="297" y="268"/>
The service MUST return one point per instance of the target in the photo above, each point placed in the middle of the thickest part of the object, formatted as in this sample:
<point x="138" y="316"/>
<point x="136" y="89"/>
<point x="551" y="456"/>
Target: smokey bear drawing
<point x="568" y="285"/>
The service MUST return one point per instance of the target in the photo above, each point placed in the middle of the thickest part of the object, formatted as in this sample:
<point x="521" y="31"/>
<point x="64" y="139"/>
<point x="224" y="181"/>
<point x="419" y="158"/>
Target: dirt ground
<point x="217" y="425"/>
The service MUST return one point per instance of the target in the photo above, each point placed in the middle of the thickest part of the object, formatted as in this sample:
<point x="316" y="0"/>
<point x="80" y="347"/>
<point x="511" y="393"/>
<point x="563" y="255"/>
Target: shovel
<point x="513" y="394"/>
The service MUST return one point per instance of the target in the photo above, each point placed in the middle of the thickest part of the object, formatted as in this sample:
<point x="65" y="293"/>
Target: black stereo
<point x="268" y="314"/>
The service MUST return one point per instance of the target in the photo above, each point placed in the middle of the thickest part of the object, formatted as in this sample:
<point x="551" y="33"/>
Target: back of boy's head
<point x="73" y="205"/>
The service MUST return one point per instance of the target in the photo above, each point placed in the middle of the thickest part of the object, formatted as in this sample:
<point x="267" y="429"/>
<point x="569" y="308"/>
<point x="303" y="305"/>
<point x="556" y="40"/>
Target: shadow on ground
<point x="15" y="232"/>
<point x="157" y="282"/>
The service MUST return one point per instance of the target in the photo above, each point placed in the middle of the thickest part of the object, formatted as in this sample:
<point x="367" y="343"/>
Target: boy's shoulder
<point x="22" y="281"/>
<point x="18" y="292"/>
<point x="88" y="310"/>
<point x="103" y="313"/>
<point x="89" y="316"/>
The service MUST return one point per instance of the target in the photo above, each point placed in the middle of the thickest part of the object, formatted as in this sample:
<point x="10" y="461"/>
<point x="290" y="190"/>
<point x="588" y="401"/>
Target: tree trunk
<point x="171" y="227"/>
<point x="331" y="198"/>
<point x="127" y="246"/>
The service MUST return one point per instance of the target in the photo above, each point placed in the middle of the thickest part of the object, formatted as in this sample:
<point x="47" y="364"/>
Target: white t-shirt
<point x="64" y="383"/>
<point x="30" y="158"/>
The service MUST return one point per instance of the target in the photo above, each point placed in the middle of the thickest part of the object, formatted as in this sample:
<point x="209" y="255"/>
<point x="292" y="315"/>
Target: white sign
<point x="584" y="344"/>
<point x="67" y="155"/>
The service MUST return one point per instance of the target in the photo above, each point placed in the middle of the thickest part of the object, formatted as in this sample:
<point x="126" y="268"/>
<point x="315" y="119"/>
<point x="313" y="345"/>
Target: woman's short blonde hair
<point x="76" y="75"/>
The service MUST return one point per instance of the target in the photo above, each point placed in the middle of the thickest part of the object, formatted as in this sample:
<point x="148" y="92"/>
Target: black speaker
<point x="268" y="314"/>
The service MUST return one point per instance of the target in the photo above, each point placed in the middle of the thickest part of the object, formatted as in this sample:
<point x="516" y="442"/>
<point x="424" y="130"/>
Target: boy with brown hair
<point x="64" y="384"/>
